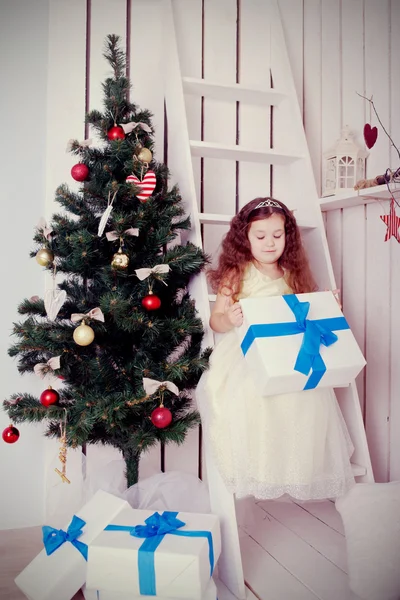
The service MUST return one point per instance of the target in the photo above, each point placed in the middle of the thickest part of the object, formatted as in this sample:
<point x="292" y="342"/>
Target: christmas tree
<point x="117" y="327"/>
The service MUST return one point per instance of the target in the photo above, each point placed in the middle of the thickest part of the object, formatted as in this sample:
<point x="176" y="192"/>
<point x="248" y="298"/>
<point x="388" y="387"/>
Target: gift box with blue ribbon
<point x="59" y="570"/>
<point x="167" y="555"/>
<point x="298" y="342"/>
<point x="89" y="594"/>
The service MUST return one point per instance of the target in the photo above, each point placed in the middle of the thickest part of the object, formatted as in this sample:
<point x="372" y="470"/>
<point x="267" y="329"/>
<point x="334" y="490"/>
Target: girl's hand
<point x="234" y="314"/>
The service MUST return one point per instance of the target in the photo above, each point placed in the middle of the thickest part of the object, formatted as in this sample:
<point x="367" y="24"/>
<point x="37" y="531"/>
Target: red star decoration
<point x="392" y="222"/>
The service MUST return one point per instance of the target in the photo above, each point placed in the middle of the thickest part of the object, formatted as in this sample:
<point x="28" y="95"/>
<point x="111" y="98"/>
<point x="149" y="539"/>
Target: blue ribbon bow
<point x="54" y="538"/>
<point x="157" y="526"/>
<point x="316" y="332"/>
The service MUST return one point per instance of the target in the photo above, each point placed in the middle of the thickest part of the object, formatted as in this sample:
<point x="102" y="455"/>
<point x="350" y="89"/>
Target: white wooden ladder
<point x="293" y="183"/>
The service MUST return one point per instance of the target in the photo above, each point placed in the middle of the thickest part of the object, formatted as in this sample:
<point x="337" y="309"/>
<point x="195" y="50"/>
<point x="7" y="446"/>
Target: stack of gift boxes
<point x="114" y="552"/>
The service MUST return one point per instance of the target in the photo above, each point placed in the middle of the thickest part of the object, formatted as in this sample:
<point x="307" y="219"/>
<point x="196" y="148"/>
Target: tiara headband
<point x="268" y="202"/>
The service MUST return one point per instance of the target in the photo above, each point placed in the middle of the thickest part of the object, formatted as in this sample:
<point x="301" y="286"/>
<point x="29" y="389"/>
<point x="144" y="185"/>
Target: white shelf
<point x="234" y="92"/>
<point x="217" y="219"/>
<point x="239" y="153"/>
<point x="359" y="197"/>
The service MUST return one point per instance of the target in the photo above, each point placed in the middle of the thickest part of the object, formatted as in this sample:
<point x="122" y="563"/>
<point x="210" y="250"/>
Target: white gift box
<point x="210" y="594"/>
<point x="61" y="574"/>
<point x="179" y="566"/>
<point x="275" y="343"/>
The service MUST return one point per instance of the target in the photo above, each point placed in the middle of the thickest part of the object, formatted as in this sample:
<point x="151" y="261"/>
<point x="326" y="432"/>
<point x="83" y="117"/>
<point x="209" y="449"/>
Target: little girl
<point x="297" y="443"/>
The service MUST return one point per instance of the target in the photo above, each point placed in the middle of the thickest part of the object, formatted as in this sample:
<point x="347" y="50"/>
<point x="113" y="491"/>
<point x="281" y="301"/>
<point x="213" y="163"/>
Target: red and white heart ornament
<point x="147" y="185"/>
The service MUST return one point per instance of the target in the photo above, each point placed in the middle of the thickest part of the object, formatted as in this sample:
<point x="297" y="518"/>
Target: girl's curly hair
<point x="236" y="252"/>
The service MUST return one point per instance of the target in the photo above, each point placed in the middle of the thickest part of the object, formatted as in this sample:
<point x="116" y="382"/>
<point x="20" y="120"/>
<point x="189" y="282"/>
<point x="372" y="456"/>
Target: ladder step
<point x="239" y="153"/>
<point x="234" y="92"/>
<point x="358" y="470"/>
<point x="216" y="219"/>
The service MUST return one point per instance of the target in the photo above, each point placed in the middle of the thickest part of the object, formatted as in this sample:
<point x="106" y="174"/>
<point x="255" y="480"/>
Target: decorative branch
<point x="380" y="122"/>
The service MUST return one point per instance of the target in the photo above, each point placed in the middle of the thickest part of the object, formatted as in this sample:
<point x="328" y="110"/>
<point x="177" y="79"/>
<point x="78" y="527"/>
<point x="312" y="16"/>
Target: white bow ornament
<point x="44" y="228"/>
<point x="157" y="270"/>
<point x="151" y="386"/>
<point x="82" y="144"/>
<point x="129" y="127"/>
<point x="95" y="313"/>
<point x="52" y="364"/>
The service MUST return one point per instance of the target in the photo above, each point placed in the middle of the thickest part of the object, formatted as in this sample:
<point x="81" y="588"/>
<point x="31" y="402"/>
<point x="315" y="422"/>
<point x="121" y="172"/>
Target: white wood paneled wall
<point x="336" y="48"/>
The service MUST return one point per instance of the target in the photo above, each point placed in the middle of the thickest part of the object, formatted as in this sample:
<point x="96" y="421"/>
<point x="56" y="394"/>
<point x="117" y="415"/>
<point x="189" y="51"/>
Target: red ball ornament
<point x="49" y="396"/>
<point x="10" y="434"/>
<point x="116" y="133"/>
<point x="161" y="417"/>
<point x="79" y="172"/>
<point x="151" y="302"/>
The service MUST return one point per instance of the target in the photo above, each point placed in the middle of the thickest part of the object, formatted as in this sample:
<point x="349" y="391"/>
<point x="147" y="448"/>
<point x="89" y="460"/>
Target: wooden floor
<point x="290" y="551"/>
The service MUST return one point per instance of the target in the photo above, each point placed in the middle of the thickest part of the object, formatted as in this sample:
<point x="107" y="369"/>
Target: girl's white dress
<point x="295" y="444"/>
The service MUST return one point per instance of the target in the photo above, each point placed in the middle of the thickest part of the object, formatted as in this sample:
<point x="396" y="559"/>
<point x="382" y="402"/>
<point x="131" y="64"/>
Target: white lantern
<point x="343" y="165"/>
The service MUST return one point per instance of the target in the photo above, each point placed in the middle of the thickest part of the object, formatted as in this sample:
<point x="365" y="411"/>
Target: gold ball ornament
<point x="83" y="335"/>
<point x="44" y="257"/>
<point x="145" y="155"/>
<point x="120" y="260"/>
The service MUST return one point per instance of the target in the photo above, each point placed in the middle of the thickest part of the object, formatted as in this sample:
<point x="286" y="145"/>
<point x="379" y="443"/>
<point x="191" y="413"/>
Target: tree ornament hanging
<point x="80" y="172"/>
<point x="44" y="228"/>
<point x="392" y="222"/>
<point x="106" y="214"/>
<point x="83" y="335"/>
<point x="44" y="369"/>
<point x="44" y="257"/>
<point x="49" y="397"/>
<point x="53" y="301"/>
<point x="62" y="455"/>
<point x="151" y="301"/>
<point x="54" y="298"/>
<point x="116" y="133"/>
<point x="147" y="185"/>
<point x="10" y="434"/>
<point x="161" y="417"/>
<point x="129" y="127"/>
<point x="370" y="135"/>
<point x="144" y="155"/>
<point x="76" y="145"/>
<point x="120" y="260"/>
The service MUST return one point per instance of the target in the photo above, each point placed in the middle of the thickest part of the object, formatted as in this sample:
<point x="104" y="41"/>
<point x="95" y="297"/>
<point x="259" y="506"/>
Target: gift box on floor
<point x="210" y="594"/>
<point x="59" y="570"/>
<point x="168" y="555"/>
<point x="298" y="342"/>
